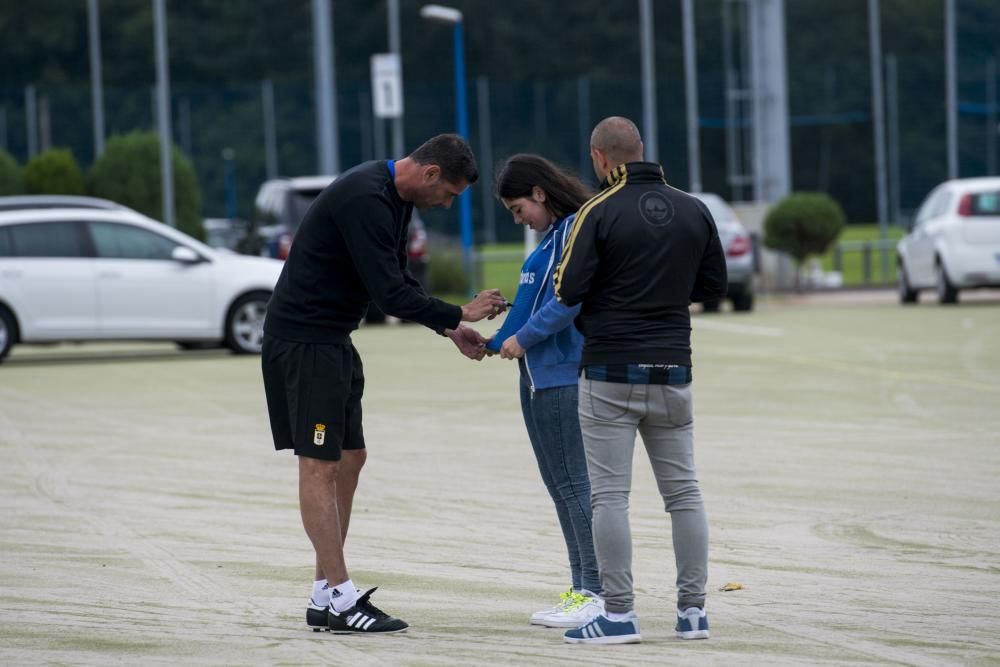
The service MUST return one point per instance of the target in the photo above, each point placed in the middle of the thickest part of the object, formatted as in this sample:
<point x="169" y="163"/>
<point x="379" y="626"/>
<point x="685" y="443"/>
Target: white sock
<point x="321" y="593"/>
<point x="343" y="596"/>
<point x="620" y="616"/>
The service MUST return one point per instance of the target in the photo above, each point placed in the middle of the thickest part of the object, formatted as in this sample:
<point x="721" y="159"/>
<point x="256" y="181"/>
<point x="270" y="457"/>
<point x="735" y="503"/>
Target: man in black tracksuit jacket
<point x="350" y="250"/>
<point x="639" y="253"/>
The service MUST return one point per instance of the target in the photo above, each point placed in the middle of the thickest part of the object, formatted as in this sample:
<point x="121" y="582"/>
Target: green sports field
<point x="849" y="451"/>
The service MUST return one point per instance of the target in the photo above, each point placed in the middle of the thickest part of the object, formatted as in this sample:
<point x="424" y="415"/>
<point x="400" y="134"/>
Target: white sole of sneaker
<point x="622" y="639"/>
<point x="562" y="624"/>
<point x="355" y="632"/>
<point x="693" y="634"/>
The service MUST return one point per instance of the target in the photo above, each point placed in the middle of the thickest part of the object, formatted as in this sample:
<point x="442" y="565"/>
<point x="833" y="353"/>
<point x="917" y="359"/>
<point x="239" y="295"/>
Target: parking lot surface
<point x="849" y="453"/>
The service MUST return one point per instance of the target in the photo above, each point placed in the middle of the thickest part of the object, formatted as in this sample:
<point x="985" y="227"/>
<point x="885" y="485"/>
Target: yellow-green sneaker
<point x="564" y="599"/>
<point x="576" y="609"/>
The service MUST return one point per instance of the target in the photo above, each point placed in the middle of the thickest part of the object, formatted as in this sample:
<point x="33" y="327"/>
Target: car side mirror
<point x="185" y="255"/>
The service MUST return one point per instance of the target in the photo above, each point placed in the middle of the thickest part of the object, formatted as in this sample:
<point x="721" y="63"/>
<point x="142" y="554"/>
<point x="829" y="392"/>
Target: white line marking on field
<point x="730" y="327"/>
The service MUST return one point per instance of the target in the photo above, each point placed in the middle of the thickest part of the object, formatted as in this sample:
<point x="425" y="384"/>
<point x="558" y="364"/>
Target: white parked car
<point x="954" y="243"/>
<point x="73" y="274"/>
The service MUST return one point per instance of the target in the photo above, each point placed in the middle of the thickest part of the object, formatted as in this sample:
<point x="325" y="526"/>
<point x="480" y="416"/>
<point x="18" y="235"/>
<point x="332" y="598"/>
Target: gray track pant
<point x="610" y="414"/>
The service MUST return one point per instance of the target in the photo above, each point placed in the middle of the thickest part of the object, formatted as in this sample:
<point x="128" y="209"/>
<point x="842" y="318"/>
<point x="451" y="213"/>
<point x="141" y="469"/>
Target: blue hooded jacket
<point x="544" y="326"/>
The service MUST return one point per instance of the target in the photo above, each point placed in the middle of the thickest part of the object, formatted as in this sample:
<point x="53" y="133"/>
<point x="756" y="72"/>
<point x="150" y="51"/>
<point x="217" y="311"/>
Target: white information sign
<point x="387" y="85"/>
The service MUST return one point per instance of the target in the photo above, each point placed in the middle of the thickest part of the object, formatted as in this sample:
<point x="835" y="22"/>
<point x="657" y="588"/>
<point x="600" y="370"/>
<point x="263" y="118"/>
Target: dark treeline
<point x="538" y="57"/>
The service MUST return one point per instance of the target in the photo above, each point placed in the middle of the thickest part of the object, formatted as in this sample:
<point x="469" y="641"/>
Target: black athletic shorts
<point x="313" y="396"/>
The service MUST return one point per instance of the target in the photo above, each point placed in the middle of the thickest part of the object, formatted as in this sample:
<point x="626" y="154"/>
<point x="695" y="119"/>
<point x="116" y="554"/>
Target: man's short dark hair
<point x="452" y="154"/>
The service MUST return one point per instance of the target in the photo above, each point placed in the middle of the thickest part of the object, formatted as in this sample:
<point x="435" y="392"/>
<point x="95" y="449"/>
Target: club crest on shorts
<point x="319" y="434"/>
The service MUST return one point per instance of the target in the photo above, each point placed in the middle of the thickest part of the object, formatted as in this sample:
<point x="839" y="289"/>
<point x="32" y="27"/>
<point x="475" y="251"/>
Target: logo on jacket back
<point x="528" y="278"/>
<point x="655" y="208"/>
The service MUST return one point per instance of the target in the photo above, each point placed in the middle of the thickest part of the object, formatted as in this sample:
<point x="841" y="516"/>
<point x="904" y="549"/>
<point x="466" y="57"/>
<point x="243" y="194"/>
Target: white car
<point x="954" y="243"/>
<point x="73" y="274"/>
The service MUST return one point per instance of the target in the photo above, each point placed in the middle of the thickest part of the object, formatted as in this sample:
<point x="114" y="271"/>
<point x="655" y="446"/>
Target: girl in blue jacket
<point x="540" y="334"/>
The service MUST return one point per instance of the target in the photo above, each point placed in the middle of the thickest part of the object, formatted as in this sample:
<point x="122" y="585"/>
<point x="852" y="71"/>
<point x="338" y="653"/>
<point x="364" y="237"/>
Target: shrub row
<point x="128" y="172"/>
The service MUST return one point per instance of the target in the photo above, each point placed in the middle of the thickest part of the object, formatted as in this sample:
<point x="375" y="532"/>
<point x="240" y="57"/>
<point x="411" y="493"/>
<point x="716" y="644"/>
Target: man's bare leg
<point x="351" y="462"/>
<point x="321" y="484"/>
<point x="321" y="517"/>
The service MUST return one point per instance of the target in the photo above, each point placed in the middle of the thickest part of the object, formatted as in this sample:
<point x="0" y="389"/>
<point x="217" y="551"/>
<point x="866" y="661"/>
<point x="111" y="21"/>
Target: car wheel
<point x="8" y="332"/>
<point x="711" y="306"/>
<point x="946" y="292"/>
<point x="743" y="300"/>
<point x="245" y="323"/>
<point x="906" y="293"/>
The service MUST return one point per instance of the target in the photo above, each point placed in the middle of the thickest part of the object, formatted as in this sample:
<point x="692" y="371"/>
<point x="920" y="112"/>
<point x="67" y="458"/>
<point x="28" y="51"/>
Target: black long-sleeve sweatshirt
<point x="350" y="250"/>
<point x="639" y="253"/>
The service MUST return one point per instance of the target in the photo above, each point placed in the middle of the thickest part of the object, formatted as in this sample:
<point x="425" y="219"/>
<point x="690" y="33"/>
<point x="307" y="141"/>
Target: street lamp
<point x="453" y="17"/>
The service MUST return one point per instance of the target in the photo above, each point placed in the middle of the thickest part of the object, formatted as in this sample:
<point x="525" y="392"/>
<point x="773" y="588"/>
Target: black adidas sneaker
<point x="363" y="617"/>
<point x="316" y="617"/>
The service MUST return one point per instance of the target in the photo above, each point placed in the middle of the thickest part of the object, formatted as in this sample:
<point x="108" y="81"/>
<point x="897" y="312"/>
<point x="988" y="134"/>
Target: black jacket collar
<point x="635" y="172"/>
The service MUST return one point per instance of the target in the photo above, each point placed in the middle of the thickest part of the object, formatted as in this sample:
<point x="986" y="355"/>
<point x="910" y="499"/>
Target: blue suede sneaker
<point x="603" y="630"/>
<point x="692" y="623"/>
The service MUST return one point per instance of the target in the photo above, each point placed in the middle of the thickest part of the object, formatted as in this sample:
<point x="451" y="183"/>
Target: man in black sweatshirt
<point x="350" y="251"/>
<point x="638" y="254"/>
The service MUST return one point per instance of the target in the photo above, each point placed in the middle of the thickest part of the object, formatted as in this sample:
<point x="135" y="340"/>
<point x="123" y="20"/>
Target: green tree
<point x="129" y="173"/>
<point x="10" y="175"/>
<point x="54" y="172"/>
<point x="803" y="224"/>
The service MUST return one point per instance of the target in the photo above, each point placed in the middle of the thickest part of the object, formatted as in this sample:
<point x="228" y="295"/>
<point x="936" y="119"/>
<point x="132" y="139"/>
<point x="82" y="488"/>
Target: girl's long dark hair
<point x="564" y="193"/>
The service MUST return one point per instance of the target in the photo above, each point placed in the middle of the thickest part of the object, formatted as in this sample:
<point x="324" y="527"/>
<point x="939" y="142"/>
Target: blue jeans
<point x="551" y="416"/>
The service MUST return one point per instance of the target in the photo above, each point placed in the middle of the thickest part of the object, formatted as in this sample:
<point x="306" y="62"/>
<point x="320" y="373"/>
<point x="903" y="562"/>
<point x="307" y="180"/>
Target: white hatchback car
<point x="85" y="274"/>
<point x="954" y="243"/>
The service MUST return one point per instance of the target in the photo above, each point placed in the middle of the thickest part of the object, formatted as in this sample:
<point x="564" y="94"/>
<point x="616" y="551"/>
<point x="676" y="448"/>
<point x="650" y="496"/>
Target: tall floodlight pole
<point x="650" y="142"/>
<point x="270" y="131"/>
<point x="583" y="122"/>
<point x="163" y="110"/>
<point x="892" y="134"/>
<point x="31" y="119"/>
<point x="771" y="161"/>
<point x="878" y="126"/>
<point x="398" y="147"/>
<point x="486" y="155"/>
<point x="991" y="117"/>
<point x="323" y="74"/>
<point x="691" y="98"/>
<point x="96" y="85"/>
<point x="453" y="17"/>
<point x="951" y="87"/>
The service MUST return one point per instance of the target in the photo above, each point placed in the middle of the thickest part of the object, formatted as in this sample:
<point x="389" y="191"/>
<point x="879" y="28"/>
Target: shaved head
<point x="618" y="139"/>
